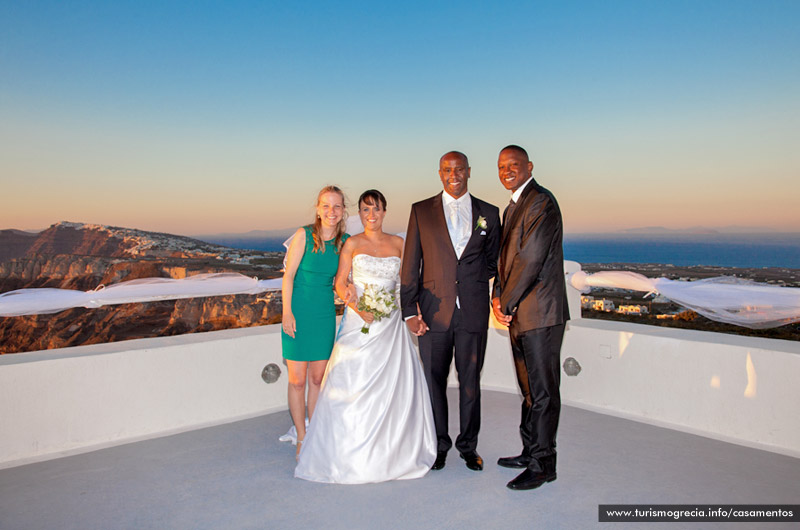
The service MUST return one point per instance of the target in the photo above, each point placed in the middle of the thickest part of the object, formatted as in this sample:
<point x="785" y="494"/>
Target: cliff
<point x="78" y="326"/>
<point x="82" y="256"/>
<point x="82" y="239"/>
<point x="15" y="243"/>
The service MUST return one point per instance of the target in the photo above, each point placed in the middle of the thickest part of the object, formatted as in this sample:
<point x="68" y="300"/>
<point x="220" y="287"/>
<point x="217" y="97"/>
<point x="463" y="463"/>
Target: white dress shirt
<point x="458" y="214"/>
<point x="516" y="194"/>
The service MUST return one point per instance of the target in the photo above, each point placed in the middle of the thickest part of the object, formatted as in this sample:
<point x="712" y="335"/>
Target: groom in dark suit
<point x="530" y="297"/>
<point x="450" y="254"/>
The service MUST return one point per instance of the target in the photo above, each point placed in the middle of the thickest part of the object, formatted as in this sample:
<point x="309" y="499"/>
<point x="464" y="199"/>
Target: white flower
<point x="481" y="223"/>
<point x="378" y="301"/>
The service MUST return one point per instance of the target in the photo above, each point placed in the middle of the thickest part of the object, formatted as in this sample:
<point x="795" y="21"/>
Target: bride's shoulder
<point x="353" y="244"/>
<point x="355" y="241"/>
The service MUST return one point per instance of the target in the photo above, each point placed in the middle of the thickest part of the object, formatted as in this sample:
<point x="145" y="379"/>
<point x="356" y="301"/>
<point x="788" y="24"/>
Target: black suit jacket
<point x="433" y="276"/>
<point x="530" y="281"/>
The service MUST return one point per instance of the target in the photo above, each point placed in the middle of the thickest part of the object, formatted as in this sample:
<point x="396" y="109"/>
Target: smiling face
<point x="371" y="213"/>
<point x="330" y="208"/>
<point x="454" y="171"/>
<point x="513" y="168"/>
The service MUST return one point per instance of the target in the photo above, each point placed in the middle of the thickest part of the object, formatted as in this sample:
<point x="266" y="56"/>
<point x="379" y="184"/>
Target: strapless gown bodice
<point x="374" y="270"/>
<point x="373" y="420"/>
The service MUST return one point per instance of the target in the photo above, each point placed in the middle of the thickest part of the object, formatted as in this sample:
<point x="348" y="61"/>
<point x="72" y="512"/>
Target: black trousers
<point x="437" y="350"/>
<point x="537" y="356"/>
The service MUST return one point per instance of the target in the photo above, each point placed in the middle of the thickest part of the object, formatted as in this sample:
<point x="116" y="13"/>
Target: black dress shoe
<point x="441" y="457"/>
<point x="516" y="462"/>
<point x="538" y="472"/>
<point x="474" y="460"/>
<point x="528" y="480"/>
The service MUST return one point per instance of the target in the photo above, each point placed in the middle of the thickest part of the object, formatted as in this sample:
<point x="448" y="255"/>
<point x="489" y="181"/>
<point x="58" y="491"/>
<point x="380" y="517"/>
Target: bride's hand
<point x="366" y="316"/>
<point x="350" y="294"/>
<point x="289" y="324"/>
<point x="417" y="326"/>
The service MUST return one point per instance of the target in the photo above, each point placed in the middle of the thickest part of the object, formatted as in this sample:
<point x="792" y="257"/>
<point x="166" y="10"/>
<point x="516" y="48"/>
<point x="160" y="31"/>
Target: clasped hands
<point x="498" y="313"/>
<point x="417" y="326"/>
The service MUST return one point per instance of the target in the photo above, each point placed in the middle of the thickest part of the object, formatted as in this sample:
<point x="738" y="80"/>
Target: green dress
<point x="312" y="304"/>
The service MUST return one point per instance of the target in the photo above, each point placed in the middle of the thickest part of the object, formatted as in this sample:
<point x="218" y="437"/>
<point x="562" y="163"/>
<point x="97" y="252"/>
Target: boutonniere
<point x="481" y="223"/>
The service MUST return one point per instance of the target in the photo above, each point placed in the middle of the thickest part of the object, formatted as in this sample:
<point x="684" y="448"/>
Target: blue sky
<point x="203" y="117"/>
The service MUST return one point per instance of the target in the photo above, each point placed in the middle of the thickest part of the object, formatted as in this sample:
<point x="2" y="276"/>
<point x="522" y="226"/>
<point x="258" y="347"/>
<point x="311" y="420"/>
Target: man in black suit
<point x="450" y="254"/>
<point x="530" y="297"/>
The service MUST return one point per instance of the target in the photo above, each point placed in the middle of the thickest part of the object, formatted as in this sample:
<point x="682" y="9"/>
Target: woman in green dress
<point x="309" y="316"/>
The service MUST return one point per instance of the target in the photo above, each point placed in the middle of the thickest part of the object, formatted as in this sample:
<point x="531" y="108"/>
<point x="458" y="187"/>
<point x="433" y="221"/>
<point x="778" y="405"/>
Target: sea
<point x="717" y="249"/>
<point x="720" y="250"/>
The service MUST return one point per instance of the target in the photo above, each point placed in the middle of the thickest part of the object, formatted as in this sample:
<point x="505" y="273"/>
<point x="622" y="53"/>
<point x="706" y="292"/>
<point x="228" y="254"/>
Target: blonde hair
<point x="316" y="227"/>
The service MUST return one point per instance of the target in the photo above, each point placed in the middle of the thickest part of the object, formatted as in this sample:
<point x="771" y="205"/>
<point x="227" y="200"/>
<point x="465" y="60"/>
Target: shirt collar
<point x="448" y="199"/>
<point x="515" y="196"/>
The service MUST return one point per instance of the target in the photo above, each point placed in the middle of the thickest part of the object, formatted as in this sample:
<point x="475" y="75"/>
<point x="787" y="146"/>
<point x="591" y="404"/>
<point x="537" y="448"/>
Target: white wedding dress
<point x="373" y="420"/>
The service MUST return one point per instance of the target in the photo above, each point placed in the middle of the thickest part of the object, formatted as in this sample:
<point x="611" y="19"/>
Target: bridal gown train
<point x="373" y="420"/>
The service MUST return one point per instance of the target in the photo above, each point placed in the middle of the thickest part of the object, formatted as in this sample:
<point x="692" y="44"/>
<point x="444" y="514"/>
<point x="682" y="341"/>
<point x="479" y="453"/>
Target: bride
<point x="373" y="420"/>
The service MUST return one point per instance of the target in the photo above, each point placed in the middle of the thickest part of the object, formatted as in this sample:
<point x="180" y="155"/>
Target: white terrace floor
<point x="239" y="476"/>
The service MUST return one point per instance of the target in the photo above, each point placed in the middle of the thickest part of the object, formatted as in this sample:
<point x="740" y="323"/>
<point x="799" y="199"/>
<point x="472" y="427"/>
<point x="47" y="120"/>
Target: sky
<point x="213" y="117"/>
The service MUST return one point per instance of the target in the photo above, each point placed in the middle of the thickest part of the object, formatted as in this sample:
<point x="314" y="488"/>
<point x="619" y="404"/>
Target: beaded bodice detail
<point x="375" y="270"/>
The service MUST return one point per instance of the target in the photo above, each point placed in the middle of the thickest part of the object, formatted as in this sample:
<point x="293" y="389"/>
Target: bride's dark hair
<point x="372" y="197"/>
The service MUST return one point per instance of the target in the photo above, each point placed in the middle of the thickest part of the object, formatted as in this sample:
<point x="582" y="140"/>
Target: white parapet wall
<point x="734" y="388"/>
<point x="53" y="403"/>
<point x="59" y="402"/>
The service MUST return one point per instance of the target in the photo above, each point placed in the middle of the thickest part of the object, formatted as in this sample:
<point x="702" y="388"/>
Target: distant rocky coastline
<point x="82" y="256"/>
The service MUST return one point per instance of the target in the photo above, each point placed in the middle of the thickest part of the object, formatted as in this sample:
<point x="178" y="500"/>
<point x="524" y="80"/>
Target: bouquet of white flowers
<point x="378" y="301"/>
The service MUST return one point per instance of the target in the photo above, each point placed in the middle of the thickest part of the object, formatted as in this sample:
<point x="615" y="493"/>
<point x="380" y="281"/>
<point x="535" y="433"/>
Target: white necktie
<point x="455" y="220"/>
<point x="459" y="231"/>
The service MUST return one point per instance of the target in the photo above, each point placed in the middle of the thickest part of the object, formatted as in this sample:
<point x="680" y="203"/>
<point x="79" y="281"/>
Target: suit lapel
<point x="511" y="224"/>
<point x="440" y="222"/>
<point x="475" y="234"/>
